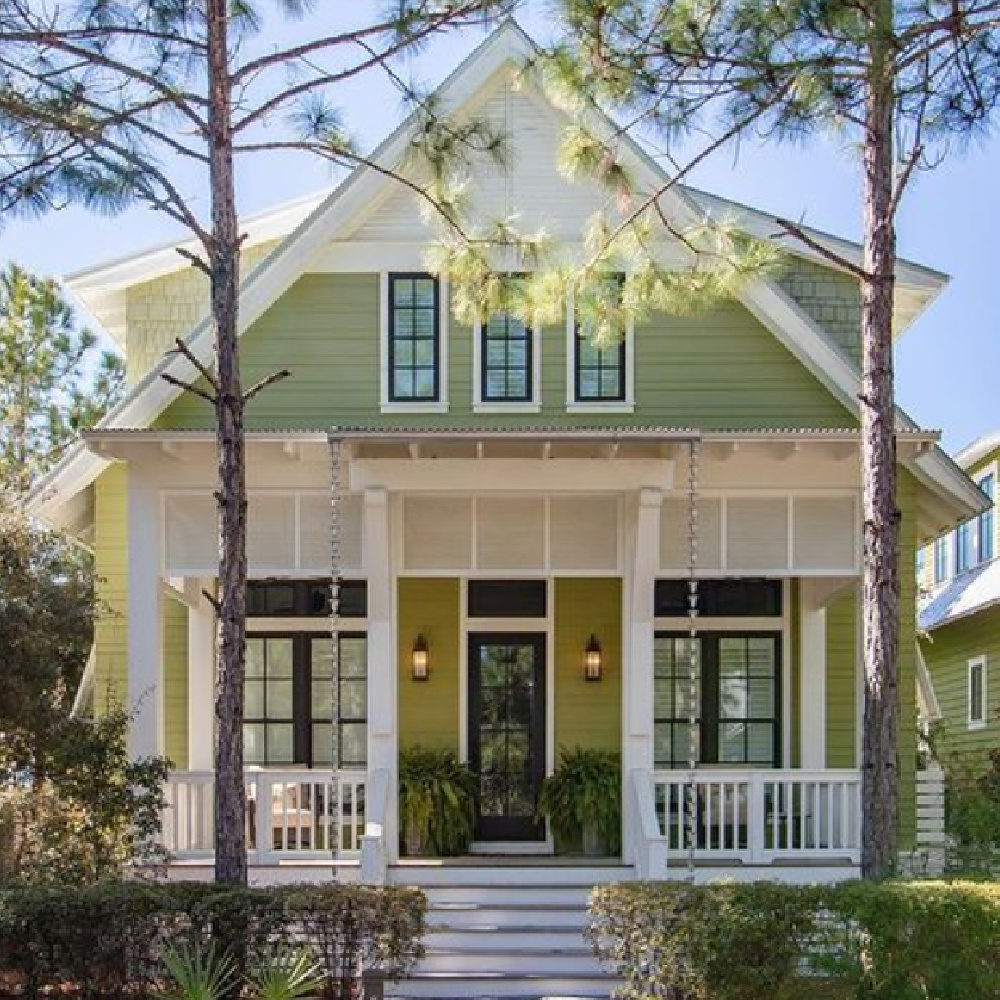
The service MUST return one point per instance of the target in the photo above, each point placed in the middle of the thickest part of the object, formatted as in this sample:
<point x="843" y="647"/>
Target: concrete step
<point x="427" y="874"/>
<point x="471" y="915"/>
<point x="512" y="893"/>
<point x="557" y="962"/>
<point x="501" y="986"/>
<point x="484" y="939"/>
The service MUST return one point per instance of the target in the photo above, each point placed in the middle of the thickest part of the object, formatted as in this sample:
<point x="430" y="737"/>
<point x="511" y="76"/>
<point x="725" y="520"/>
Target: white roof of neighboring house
<point x="972" y="454"/>
<point x="973" y="591"/>
<point x="315" y="223"/>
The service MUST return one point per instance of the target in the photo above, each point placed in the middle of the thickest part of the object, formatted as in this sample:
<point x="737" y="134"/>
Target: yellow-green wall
<point x="111" y="634"/>
<point x="429" y="710"/>
<point x="587" y="714"/>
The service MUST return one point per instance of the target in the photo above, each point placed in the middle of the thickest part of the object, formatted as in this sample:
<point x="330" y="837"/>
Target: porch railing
<point x="291" y="814"/>
<point x="759" y="817"/>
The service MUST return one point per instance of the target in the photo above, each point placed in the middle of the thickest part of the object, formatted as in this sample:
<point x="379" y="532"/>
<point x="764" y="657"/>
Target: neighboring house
<point x="514" y="498"/>
<point x="959" y="617"/>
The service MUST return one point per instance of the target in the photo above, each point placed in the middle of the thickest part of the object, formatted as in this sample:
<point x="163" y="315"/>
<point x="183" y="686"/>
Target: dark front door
<point x="507" y="732"/>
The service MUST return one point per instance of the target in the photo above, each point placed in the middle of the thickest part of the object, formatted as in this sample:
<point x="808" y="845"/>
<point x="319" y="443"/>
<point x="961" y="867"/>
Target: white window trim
<point x="985" y="473"/>
<point x="387" y="405"/>
<point x="574" y="405"/>
<point x="534" y="405"/>
<point x="981" y="663"/>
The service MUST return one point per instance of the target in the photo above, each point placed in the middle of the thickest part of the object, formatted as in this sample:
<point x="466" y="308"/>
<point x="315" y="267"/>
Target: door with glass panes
<point x="507" y="732"/>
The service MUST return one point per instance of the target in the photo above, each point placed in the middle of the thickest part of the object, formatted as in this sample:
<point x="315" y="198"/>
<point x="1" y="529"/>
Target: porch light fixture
<point x="592" y="660"/>
<point x="420" y="658"/>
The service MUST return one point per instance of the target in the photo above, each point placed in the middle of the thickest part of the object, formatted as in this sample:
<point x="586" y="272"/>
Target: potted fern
<point x="582" y="801"/>
<point x="437" y="796"/>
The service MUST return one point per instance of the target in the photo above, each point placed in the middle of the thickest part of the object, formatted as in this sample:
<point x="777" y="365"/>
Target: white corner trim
<point x="983" y="664"/>
<point x="574" y="405"/>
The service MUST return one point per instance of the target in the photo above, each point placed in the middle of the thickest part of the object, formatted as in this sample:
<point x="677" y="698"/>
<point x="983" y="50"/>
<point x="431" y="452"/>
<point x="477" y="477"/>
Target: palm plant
<point x="287" y="974"/>
<point x="199" y="973"/>
<point x="437" y="796"/>
<point x="582" y="800"/>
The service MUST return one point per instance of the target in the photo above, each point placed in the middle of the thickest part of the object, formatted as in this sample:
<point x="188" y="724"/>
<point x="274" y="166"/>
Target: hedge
<point x="726" y="941"/>
<point x="108" y="940"/>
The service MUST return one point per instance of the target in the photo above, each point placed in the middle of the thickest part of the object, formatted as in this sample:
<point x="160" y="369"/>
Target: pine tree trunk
<point x="230" y="792"/>
<point x="880" y="759"/>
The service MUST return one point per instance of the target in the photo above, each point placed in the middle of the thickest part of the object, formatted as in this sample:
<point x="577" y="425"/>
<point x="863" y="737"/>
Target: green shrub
<point x="437" y="802"/>
<point x="110" y="939"/>
<point x="584" y="794"/>
<point x="915" y="940"/>
<point x="717" y="942"/>
<point x="866" y="940"/>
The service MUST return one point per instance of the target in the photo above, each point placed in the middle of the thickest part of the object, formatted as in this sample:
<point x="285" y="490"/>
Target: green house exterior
<point x="533" y="544"/>
<point x="959" y="638"/>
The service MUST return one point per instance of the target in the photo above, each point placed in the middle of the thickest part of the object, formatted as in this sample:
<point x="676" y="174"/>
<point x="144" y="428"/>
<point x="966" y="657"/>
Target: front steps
<point x="506" y="930"/>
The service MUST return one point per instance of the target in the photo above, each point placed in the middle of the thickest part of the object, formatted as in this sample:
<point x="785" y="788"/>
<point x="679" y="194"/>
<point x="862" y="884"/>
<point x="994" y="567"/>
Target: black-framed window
<point x="414" y="338"/>
<point x="295" y="708"/>
<point x="737" y="699"/>
<point x="506" y="599"/>
<point x="735" y="598"/>
<point x="599" y="372"/>
<point x="506" y="360"/>
<point x="305" y="599"/>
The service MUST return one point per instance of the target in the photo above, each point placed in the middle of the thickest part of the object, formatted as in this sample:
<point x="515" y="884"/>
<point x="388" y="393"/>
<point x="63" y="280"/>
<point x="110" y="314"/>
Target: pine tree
<point x="110" y="104"/>
<point x="54" y="379"/>
<point x="903" y="79"/>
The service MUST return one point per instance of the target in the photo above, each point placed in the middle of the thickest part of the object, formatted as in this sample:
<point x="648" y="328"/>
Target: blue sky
<point x="946" y="362"/>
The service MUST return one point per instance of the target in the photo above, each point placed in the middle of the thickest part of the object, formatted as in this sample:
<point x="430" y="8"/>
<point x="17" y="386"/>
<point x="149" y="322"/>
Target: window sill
<point x="617" y="406"/>
<point x="507" y="408"/>
<point x="974" y="726"/>
<point x="438" y="407"/>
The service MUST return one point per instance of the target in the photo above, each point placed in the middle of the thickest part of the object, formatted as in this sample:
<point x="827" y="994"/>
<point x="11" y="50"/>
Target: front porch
<point x="502" y="558"/>
<point x="749" y="820"/>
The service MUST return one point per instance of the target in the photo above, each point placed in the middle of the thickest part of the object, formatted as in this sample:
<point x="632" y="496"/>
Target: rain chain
<point x="694" y="661"/>
<point x="336" y="539"/>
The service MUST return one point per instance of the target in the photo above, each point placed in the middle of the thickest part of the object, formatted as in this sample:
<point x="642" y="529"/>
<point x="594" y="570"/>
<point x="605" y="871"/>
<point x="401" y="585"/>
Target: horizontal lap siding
<point x="429" y="710"/>
<point x="111" y="567"/>
<point x="841" y="681"/>
<point x="947" y="652"/>
<point x="587" y="713"/>
<point x="719" y="368"/>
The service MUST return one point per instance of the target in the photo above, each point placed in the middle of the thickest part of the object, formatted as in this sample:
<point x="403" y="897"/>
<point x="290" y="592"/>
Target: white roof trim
<point x="974" y="452"/>
<point x="262" y="286"/>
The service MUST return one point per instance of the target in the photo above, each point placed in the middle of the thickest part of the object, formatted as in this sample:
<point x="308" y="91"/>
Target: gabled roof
<point x="337" y="212"/>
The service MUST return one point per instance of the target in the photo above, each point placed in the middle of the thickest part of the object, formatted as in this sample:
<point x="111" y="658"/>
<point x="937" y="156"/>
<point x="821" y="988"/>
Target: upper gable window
<point x="414" y="339"/>
<point x="598" y="377"/>
<point x="506" y="364"/>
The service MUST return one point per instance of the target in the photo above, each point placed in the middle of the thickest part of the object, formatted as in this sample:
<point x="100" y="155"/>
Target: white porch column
<point x="201" y="684"/>
<point x="812" y="660"/>
<point x="145" y="687"/>
<point x="383" y="737"/>
<point x="643" y="564"/>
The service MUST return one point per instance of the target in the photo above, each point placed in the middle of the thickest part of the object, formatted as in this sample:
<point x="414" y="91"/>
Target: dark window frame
<point x="709" y="717"/>
<point x="392" y="394"/>
<point x="302" y="720"/>
<point x="507" y="599"/>
<point x="304" y="593"/>
<point x="529" y="360"/>
<point x="579" y="338"/>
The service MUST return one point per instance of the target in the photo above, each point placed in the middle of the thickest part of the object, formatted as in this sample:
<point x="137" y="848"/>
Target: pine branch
<point x="205" y="373"/>
<point x="264" y="383"/>
<point x="188" y="387"/>
<point x="195" y="261"/>
<point x="793" y="229"/>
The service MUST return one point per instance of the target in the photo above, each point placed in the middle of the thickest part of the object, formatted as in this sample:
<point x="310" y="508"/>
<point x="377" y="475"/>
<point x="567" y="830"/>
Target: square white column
<point x="145" y="645"/>
<point x="201" y="682"/>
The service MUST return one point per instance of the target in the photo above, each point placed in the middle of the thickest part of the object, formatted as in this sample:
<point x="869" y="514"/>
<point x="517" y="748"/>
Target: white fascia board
<point x="974" y="452"/>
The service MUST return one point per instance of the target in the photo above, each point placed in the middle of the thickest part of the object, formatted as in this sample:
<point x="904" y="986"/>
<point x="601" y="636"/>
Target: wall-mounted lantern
<point x="419" y="663"/>
<point x="593" y="660"/>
